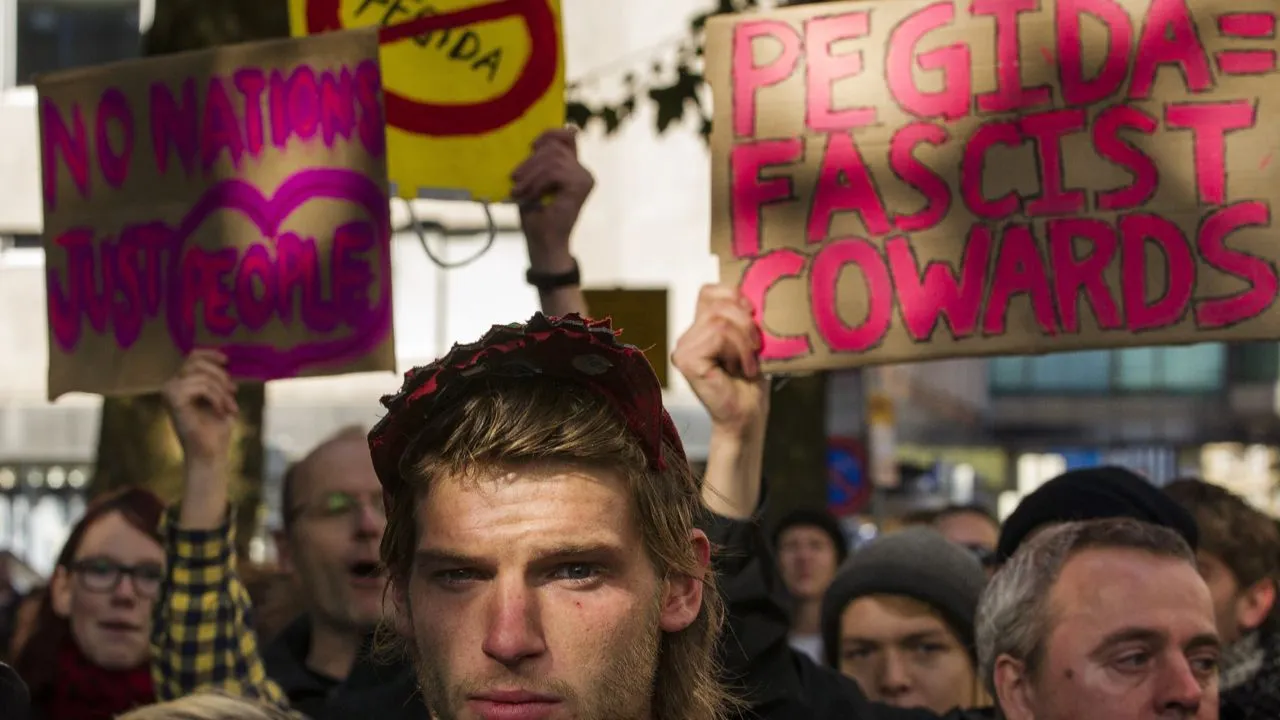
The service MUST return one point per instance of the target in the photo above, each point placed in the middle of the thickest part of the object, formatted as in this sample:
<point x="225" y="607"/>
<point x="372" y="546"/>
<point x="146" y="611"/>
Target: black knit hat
<point x="1093" y="494"/>
<point x="917" y="563"/>
<point x="824" y="521"/>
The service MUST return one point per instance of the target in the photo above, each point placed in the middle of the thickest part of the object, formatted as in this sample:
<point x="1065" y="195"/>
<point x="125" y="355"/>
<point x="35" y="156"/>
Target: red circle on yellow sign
<point x="441" y="119"/>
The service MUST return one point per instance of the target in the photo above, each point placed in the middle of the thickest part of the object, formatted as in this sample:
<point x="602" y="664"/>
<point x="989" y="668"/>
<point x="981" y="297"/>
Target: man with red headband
<point x="540" y="543"/>
<point x="540" y="532"/>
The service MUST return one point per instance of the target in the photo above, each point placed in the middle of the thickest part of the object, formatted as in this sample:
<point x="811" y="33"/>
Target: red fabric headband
<point x="570" y="348"/>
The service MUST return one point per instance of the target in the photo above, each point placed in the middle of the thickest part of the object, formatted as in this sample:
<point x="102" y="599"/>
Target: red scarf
<point x="84" y="691"/>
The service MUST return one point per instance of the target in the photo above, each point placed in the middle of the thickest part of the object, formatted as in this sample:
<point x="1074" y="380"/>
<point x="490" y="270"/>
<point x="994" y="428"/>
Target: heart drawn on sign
<point x="264" y="361"/>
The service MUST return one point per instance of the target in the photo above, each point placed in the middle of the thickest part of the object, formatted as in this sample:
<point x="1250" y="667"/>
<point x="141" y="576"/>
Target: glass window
<point x="1186" y="368"/>
<point x="1137" y="368"/>
<point x="1193" y="368"/>
<point x="1008" y="373"/>
<point x="1255" y="362"/>
<point x="60" y="34"/>
<point x="1089" y="370"/>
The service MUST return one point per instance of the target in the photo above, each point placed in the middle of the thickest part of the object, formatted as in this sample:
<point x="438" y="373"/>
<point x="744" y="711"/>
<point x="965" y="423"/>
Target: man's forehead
<point x="1124" y="583"/>
<point x="590" y="504"/>
<point x="342" y="464"/>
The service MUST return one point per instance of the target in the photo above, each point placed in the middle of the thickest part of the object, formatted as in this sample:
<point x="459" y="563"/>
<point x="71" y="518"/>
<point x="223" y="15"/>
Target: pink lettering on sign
<point x="1209" y="123"/>
<point x="174" y="124"/>
<point x="761" y="276"/>
<point x="926" y="181"/>
<point x="837" y="258"/>
<point x="152" y="271"/>
<point x="1077" y="89"/>
<point x="1010" y="95"/>
<point x="1140" y="232"/>
<point x="938" y="293"/>
<point x="1169" y="39"/>
<point x="824" y="70"/>
<point x="1020" y="271"/>
<point x="752" y="193"/>
<point x="748" y="77"/>
<point x="1077" y="276"/>
<point x="845" y="185"/>
<point x="952" y="101"/>
<point x="67" y="143"/>
<point x="1113" y="147"/>
<point x="1016" y="169"/>
<point x="1259" y="273"/>
<point x="201" y="123"/>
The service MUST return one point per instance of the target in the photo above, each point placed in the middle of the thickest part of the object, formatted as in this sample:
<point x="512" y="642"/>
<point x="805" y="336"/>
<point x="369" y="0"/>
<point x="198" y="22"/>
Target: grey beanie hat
<point x="917" y="563"/>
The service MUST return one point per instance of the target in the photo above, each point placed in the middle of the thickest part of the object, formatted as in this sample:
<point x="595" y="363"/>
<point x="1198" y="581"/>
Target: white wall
<point x="19" y="160"/>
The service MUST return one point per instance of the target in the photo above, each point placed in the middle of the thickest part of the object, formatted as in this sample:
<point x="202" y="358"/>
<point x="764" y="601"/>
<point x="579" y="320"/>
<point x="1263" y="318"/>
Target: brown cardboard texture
<point x="909" y="180"/>
<point x="234" y="198"/>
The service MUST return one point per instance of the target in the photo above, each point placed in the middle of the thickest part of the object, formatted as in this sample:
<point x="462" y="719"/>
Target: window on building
<point x="1181" y="369"/>
<point x="26" y="241"/>
<point x="60" y="34"/>
<point x="1257" y="362"/>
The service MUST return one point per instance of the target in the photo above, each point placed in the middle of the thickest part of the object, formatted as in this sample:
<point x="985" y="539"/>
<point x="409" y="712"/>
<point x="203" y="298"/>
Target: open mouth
<point x="366" y="570"/>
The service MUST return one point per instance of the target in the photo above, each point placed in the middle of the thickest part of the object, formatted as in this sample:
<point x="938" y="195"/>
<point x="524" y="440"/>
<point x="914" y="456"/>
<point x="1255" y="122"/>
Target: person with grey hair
<point x="1102" y="619"/>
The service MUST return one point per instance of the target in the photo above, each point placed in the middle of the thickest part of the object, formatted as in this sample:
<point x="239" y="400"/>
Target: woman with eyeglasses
<point x="88" y="657"/>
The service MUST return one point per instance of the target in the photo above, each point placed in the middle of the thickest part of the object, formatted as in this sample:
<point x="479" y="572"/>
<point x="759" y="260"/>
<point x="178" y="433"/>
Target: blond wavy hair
<point x="518" y="421"/>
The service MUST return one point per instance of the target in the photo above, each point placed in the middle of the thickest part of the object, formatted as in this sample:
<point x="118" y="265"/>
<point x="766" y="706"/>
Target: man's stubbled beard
<point x="620" y="685"/>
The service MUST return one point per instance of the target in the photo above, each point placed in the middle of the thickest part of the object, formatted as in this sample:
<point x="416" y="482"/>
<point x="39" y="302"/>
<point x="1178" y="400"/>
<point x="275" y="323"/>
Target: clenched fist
<point x="201" y="400"/>
<point x="720" y="357"/>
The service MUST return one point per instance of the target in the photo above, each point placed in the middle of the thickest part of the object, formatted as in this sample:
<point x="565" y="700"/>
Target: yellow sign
<point x="468" y="85"/>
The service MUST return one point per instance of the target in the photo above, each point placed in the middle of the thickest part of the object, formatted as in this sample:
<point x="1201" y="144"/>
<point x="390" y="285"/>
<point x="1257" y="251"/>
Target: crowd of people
<point x="522" y="537"/>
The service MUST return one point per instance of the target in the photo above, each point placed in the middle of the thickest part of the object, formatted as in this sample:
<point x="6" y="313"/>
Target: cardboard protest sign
<point x="902" y="180"/>
<point x="233" y="198"/>
<point x="469" y="85"/>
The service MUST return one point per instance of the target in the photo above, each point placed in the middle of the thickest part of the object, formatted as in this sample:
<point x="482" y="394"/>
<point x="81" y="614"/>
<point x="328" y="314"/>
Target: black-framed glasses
<point x="337" y="505"/>
<point x="103" y="575"/>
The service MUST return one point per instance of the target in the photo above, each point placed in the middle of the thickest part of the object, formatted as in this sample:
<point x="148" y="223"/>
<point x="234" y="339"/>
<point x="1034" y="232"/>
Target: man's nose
<point x="370" y="522"/>
<point x="895" y="679"/>
<point x="126" y="590"/>
<point x="514" y="631"/>
<point x="1180" y="689"/>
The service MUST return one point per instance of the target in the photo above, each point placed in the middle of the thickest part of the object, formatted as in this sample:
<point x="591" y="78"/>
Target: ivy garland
<point x="672" y="99"/>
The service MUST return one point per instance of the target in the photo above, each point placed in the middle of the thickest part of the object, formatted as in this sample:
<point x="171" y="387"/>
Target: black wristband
<point x="546" y="282"/>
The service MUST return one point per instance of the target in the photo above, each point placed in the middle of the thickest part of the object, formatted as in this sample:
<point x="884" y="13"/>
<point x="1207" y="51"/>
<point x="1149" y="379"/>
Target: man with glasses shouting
<point x="333" y="521"/>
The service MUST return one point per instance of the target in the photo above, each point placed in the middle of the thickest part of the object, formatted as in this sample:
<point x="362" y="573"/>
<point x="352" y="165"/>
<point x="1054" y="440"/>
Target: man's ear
<point x="398" y="607"/>
<point x="1255" y="604"/>
<point x="682" y="597"/>
<point x="60" y="592"/>
<point x="284" y="551"/>
<point x="1014" y="693"/>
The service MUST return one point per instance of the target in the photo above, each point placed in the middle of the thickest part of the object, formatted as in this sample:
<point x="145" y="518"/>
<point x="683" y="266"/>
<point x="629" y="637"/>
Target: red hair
<point x="37" y="660"/>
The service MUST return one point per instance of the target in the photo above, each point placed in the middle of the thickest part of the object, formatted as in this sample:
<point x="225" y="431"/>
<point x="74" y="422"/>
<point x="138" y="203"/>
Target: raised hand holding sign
<point x="470" y="85"/>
